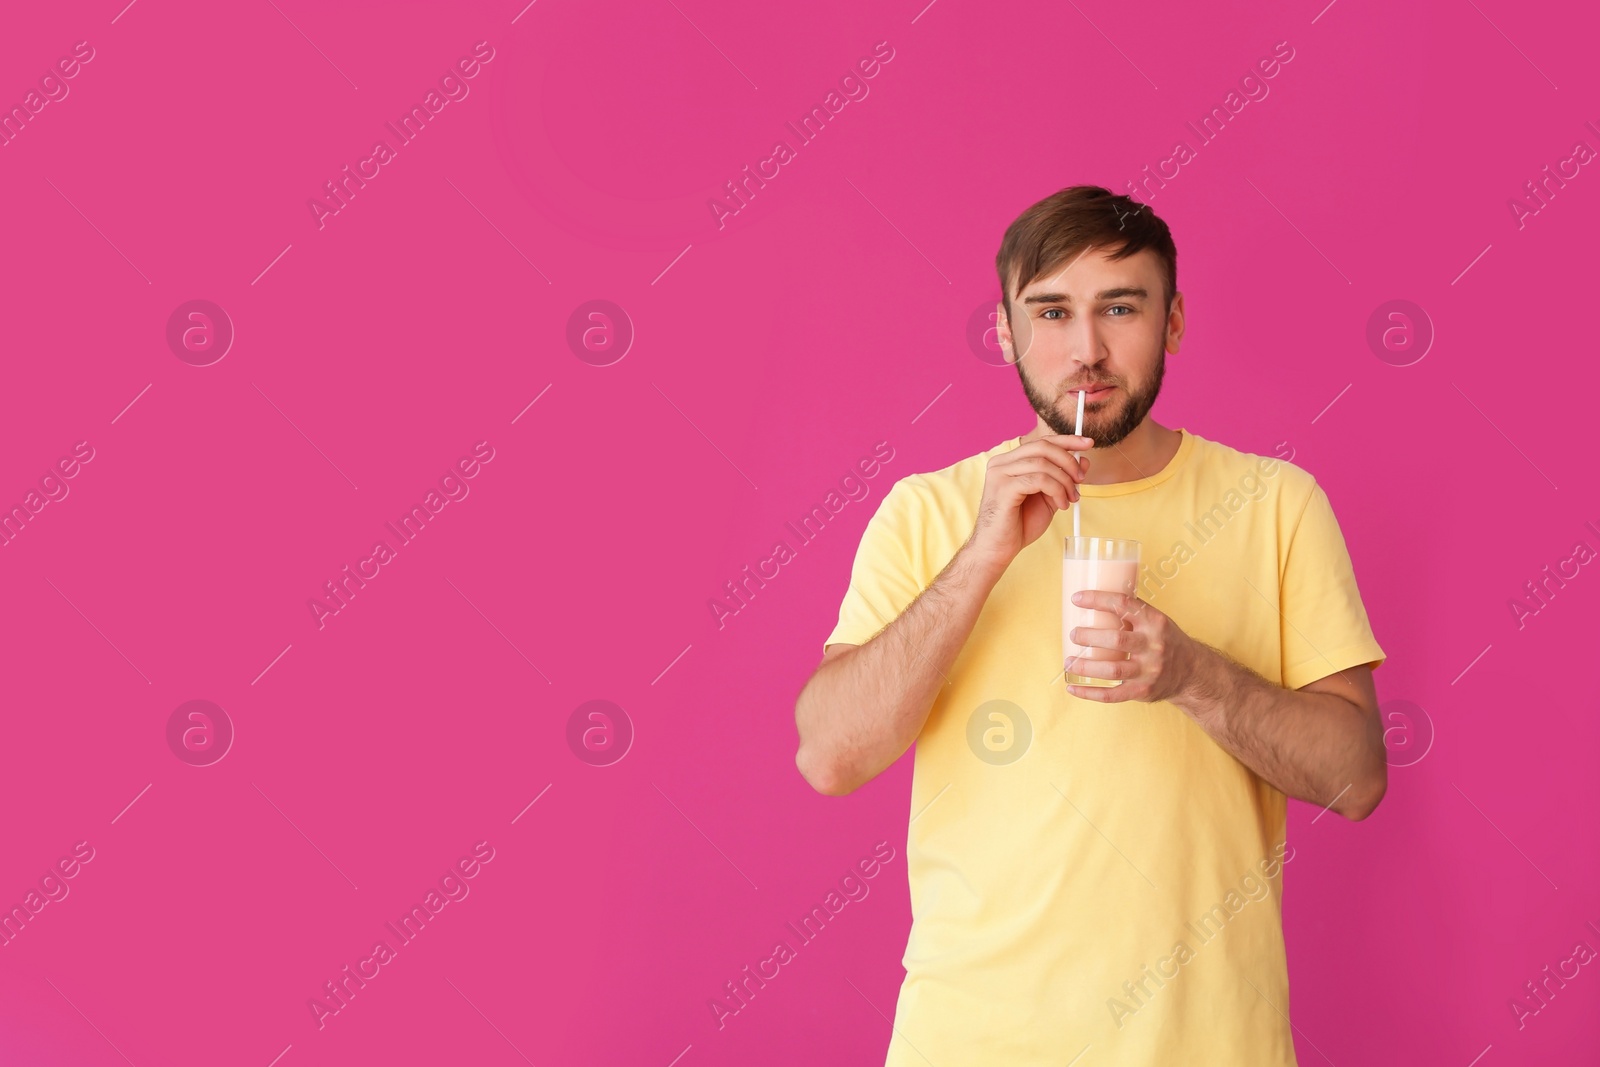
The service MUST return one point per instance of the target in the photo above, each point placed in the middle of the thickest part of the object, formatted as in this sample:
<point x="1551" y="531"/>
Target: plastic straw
<point x="1079" y="431"/>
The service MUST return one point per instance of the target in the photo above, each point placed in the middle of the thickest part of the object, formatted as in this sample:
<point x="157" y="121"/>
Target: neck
<point x="1144" y="452"/>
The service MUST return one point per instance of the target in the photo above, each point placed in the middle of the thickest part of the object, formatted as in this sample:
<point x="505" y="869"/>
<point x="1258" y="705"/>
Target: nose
<point x="1088" y="348"/>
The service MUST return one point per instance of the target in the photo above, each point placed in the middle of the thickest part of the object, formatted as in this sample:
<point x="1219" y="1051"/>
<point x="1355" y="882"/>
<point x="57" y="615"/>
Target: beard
<point x="1106" y="427"/>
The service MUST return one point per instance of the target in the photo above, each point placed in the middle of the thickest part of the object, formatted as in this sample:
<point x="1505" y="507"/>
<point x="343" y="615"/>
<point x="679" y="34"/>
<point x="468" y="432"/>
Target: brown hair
<point x="1058" y="228"/>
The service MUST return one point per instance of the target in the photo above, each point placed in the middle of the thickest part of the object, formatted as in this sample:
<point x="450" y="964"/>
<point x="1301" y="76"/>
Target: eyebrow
<point x="1104" y="294"/>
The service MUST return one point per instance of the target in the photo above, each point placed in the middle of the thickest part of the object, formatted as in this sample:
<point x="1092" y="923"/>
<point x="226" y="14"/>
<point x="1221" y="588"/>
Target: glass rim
<point x="1102" y="549"/>
<point x="1069" y="539"/>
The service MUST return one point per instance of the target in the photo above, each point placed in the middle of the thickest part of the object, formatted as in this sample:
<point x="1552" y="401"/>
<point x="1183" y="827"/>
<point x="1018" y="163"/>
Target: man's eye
<point x="1122" y="307"/>
<point x="1051" y="313"/>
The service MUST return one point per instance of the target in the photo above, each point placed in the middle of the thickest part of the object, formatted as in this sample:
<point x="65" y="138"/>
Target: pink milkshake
<point x="1106" y="563"/>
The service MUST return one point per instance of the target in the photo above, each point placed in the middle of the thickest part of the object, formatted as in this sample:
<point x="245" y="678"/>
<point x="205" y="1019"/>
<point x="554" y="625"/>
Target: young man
<point x="1099" y="868"/>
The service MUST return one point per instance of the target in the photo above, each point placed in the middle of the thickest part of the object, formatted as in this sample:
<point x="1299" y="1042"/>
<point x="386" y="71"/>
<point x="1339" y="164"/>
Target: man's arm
<point x="862" y="708"/>
<point x="1322" y="743"/>
<point x="866" y="704"/>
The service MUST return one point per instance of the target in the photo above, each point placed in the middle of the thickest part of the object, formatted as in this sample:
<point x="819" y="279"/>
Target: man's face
<point x="1094" y="322"/>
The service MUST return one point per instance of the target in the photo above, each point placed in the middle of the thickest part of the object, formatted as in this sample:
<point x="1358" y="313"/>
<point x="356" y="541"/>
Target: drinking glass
<point x="1108" y="563"/>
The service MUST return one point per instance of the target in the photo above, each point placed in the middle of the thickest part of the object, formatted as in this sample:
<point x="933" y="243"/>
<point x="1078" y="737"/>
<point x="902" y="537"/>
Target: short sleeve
<point x="1324" y="623"/>
<point x="885" y="577"/>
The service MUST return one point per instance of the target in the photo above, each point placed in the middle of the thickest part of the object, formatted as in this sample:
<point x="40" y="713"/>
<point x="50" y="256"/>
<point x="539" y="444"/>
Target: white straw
<point x="1079" y="431"/>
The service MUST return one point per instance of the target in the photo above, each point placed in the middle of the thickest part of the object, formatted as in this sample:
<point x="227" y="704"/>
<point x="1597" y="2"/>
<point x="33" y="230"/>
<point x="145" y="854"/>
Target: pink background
<point x="770" y="356"/>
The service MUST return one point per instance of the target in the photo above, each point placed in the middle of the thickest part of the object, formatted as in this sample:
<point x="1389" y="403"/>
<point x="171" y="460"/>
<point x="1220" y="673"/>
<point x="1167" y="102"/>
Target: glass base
<point x="1098" y="683"/>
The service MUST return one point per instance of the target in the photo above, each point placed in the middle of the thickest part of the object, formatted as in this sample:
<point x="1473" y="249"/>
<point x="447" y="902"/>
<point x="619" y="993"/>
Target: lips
<point x="1092" y="391"/>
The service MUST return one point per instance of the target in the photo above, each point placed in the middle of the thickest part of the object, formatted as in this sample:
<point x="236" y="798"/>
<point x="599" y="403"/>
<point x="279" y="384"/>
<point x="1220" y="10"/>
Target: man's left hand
<point x="1161" y="661"/>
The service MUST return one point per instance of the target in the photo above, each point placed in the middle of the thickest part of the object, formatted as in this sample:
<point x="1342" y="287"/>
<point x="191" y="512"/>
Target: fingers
<point x="1018" y="487"/>
<point x="1036" y="471"/>
<point x="1119" y="604"/>
<point x="1064" y="450"/>
<point x="1117" y="670"/>
<point x="1098" y="637"/>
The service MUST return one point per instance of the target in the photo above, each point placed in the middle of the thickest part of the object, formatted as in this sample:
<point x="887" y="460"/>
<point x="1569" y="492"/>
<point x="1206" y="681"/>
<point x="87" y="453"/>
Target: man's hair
<point x="1056" y="230"/>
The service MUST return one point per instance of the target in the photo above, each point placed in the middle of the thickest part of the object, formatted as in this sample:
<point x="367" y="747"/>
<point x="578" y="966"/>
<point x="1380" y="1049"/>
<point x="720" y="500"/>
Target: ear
<point x="1175" y="325"/>
<point x="1003" y="332"/>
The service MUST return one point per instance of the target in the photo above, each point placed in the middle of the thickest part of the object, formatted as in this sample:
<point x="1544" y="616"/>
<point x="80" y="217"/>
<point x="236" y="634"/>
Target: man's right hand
<point x="860" y="712"/>
<point x="1022" y="491"/>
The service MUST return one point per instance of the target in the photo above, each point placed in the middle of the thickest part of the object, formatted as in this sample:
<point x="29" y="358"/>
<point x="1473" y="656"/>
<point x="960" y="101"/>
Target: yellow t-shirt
<point x="1105" y="876"/>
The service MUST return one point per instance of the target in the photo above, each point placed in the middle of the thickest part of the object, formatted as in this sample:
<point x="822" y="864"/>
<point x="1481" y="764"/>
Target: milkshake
<point x="1107" y="563"/>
